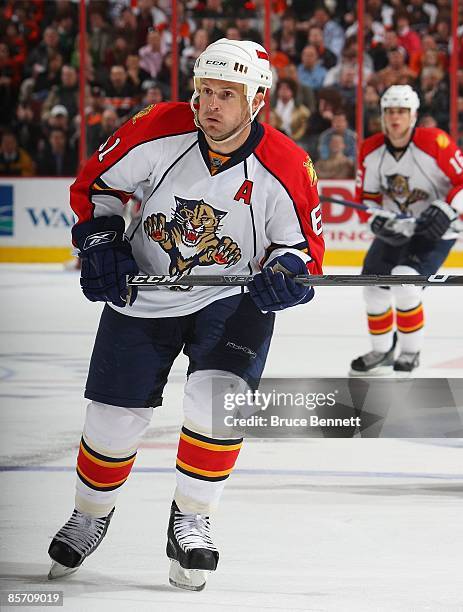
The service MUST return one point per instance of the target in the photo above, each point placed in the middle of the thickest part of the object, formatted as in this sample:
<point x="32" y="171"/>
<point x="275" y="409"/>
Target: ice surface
<point x="314" y="525"/>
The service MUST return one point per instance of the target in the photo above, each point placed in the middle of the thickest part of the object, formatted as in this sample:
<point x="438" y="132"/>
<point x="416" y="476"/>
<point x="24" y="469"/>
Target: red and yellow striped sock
<point x="380" y="323"/>
<point x="100" y="472"/>
<point x="206" y="458"/>
<point x="409" y="321"/>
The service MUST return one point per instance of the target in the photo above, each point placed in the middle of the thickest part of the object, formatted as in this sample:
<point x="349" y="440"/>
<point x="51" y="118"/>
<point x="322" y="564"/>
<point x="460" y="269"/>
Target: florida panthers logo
<point x="190" y="238"/>
<point x="398" y="190"/>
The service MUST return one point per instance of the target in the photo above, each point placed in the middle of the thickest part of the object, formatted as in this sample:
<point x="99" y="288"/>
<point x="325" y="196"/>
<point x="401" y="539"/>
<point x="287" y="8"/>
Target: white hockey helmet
<point x="239" y="61"/>
<point x="401" y="96"/>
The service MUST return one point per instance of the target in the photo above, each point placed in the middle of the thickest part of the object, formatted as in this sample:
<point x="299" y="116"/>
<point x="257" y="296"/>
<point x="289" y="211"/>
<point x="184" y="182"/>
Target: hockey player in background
<point x="416" y="173"/>
<point x="220" y="192"/>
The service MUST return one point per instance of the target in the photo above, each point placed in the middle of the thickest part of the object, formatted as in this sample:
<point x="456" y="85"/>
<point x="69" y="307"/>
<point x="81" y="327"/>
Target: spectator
<point x="135" y="73"/>
<point x="150" y="55"/>
<point x="232" y="33"/>
<point x="339" y="126"/>
<point x="58" y="159"/>
<point x="209" y="23"/>
<point x="305" y="95"/>
<point x="379" y="52"/>
<point x="66" y="33"/>
<point x="289" y="40"/>
<point x="278" y="59"/>
<point x="371" y="101"/>
<point x="14" y="161"/>
<point x="66" y="93"/>
<point x="117" y="53"/>
<point x="395" y="73"/>
<point x="247" y="32"/>
<point x="97" y="134"/>
<point x="99" y="38"/>
<point x="27" y="128"/>
<point x="8" y="87"/>
<point x="434" y="94"/>
<point x="148" y="16"/>
<point x="333" y="34"/>
<point x="315" y="37"/>
<point x="408" y="39"/>
<point x="348" y="90"/>
<point x="126" y="26"/>
<point x="310" y="71"/>
<point x="349" y="60"/>
<point x="381" y="12"/>
<point x="94" y="111"/>
<point x="337" y="165"/>
<point x="288" y="115"/>
<point x="422" y="15"/>
<point x="329" y="102"/>
<point x="38" y="58"/>
<point x="121" y="93"/>
<point x="48" y="79"/>
<point x="190" y="54"/>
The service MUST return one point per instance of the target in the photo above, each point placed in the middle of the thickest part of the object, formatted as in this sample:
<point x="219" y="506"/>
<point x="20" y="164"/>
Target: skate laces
<point x="82" y="532"/>
<point x="193" y="531"/>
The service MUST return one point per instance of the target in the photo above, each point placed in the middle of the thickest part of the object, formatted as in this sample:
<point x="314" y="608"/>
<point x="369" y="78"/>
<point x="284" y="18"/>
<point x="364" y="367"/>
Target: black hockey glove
<point x="395" y="232"/>
<point x="435" y="220"/>
<point x="106" y="256"/>
<point x="274" y="289"/>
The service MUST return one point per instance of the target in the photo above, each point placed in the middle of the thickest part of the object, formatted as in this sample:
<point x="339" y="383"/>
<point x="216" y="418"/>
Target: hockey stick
<point x="456" y="225"/>
<point x="146" y="281"/>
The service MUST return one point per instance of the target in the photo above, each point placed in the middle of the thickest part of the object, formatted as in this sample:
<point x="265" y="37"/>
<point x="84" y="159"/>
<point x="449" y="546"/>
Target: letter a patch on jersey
<point x="244" y="192"/>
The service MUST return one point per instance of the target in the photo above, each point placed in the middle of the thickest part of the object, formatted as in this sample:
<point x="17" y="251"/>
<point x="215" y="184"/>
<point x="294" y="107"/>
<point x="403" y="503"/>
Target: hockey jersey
<point x="195" y="220"/>
<point x="429" y="168"/>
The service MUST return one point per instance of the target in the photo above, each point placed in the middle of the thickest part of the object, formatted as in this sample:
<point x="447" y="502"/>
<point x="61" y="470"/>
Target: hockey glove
<point x="274" y="289"/>
<point x="106" y="256"/>
<point x="395" y="232"/>
<point x="435" y="220"/>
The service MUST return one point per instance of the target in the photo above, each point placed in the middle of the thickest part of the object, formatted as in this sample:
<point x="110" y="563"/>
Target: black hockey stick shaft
<point x="146" y="281"/>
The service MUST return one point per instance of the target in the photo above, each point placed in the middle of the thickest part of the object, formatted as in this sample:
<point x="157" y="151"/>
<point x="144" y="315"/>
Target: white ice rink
<point x="316" y="525"/>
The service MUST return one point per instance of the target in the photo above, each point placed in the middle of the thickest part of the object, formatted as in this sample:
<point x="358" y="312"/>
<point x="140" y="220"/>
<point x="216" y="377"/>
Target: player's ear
<point x="257" y="100"/>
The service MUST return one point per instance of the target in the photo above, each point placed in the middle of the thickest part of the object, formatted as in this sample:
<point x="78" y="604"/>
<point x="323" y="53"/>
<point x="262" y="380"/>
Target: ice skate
<point x="406" y="363"/>
<point x="190" y="549"/>
<point x="77" y="539"/>
<point x="374" y="363"/>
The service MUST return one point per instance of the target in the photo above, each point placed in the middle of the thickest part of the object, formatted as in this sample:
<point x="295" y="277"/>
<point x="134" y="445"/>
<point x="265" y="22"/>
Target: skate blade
<point x="403" y="374"/>
<point x="189" y="579"/>
<point x="60" y="571"/>
<point x="379" y="371"/>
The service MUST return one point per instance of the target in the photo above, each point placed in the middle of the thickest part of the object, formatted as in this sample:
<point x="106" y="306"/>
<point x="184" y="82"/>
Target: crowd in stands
<point x="314" y="51"/>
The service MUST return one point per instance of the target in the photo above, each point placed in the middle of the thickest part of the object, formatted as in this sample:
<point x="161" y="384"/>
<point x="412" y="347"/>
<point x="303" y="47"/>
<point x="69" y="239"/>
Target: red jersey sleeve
<point x="124" y="159"/>
<point x="365" y="191"/>
<point x="448" y="156"/>
<point x="294" y="170"/>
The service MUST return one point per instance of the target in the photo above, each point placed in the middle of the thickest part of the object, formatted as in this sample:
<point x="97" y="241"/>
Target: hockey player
<point x="416" y="173"/>
<point x="220" y="192"/>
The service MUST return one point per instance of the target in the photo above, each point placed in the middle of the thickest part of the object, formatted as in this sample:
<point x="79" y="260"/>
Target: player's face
<point x="222" y="108"/>
<point x="397" y="122"/>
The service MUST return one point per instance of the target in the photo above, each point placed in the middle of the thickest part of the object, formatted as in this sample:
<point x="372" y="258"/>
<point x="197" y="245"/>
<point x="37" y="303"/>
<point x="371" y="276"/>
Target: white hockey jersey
<point x="193" y="221"/>
<point x="430" y="168"/>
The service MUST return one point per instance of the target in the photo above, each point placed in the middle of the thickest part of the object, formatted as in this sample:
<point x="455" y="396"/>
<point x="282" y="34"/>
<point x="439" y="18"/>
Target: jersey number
<point x="316" y="218"/>
<point x="457" y="162"/>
